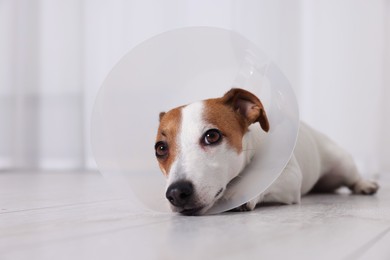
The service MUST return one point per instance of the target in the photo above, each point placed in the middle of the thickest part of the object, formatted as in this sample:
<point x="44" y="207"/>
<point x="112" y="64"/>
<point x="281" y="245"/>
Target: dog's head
<point x="200" y="149"/>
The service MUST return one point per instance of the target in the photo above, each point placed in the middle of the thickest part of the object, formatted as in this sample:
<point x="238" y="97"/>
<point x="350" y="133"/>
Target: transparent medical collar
<point x="180" y="67"/>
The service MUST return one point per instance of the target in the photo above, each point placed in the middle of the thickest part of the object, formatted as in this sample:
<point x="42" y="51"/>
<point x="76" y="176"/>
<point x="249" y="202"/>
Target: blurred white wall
<point x="344" y="90"/>
<point x="54" y="55"/>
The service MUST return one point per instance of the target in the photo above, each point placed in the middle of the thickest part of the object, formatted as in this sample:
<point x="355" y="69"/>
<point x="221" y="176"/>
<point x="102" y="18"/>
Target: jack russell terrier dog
<point x="202" y="146"/>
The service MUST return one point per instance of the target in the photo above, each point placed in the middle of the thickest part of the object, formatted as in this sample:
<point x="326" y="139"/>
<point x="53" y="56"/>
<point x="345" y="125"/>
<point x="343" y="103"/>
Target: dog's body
<point x="317" y="164"/>
<point x="201" y="147"/>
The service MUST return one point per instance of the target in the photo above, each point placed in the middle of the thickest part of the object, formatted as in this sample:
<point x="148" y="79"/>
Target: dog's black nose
<point x="179" y="193"/>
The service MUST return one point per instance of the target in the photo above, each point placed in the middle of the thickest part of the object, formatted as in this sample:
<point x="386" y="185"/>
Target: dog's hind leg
<point x="342" y="172"/>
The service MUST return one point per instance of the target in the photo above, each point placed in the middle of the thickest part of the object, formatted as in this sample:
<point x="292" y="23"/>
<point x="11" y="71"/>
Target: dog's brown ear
<point x="161" y="115"/>
<point x="248" y="106"/>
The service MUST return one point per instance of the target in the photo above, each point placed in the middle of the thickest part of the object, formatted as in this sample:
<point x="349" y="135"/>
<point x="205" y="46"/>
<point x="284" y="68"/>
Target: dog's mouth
<point x="192" y="212"/>
<point x="200" y="210"/>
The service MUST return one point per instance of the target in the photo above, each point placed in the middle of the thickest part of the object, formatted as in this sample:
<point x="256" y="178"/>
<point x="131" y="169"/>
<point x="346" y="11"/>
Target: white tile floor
<point x="75" y="215"/>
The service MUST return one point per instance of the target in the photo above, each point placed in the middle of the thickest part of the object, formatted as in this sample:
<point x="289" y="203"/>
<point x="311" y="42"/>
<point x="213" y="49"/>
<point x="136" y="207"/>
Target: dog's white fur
<point x="316" y="162"/>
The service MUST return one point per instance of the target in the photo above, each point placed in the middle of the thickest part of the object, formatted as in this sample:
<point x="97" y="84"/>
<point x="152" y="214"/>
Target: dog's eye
<point x="161" y="149"/>
<point x="212" y="136"/>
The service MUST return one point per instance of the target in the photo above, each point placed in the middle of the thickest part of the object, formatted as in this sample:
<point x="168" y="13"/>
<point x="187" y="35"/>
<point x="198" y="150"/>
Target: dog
<point x="203" y="146"/>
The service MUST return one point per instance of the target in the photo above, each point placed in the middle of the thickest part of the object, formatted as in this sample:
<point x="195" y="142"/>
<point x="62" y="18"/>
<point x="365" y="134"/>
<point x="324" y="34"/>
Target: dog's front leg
<point x="251" y="205"/>
<point x="285" y="190"/>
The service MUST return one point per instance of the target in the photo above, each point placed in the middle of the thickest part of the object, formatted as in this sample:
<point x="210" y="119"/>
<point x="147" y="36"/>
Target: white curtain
<point x="54" y="55"/>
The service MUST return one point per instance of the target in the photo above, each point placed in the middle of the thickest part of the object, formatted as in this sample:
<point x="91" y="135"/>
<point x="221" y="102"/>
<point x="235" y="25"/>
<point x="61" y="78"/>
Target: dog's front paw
<point x="249" y="206"/>
<point x="365" y="187"/>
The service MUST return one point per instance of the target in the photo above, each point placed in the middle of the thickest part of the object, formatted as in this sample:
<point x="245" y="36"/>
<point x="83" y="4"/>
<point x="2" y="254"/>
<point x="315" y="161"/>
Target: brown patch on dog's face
<point x="233" y="113"/>
<point x="167" y="135"/>
<point x="231" y="125"/>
